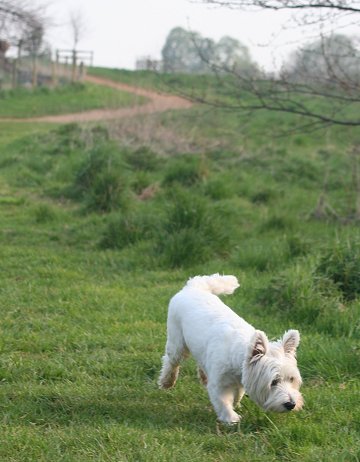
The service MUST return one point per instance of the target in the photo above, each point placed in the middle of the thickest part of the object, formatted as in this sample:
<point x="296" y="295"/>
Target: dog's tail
<point x="215" y="283"/>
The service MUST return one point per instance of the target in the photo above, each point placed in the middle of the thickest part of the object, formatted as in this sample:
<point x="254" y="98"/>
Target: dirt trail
<point x="159" y="102"/>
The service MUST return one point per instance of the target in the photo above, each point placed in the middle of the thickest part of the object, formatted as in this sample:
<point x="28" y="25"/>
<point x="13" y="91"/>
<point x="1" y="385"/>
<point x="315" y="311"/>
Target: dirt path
<point x="159" y="102"/>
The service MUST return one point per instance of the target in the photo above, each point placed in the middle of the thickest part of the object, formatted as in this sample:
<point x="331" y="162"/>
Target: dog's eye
<point x="275" y="382"/>
<point x="291" y="379"/>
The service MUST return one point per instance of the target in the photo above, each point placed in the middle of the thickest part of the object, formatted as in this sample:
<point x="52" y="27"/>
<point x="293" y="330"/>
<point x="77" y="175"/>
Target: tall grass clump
<point x="124" y="230"/>
<point x="219" y="188"/>
<point x="299" y="296"/>
<point x="277" y="222"/>
<point x="263" y="195"/>
<point x="66" y="138"/>
<point x="100" y="181"/>
<point x="44" y="213"/>
<point x="143" y="159"/>
<point x="186" y="170"/>
<point x="192" y="231"/>
<point x="341" y="264"/>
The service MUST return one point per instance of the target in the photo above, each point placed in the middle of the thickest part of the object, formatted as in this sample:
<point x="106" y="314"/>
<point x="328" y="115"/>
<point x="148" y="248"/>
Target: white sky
<point x="120" y="31"/>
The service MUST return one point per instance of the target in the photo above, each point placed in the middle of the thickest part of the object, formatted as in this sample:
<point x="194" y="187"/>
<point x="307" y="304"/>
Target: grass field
<point x="70" y="98"/>
<point x="97" y="235"/>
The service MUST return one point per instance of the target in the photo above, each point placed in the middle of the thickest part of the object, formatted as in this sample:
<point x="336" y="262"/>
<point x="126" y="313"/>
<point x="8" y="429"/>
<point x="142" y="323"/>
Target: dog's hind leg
<point x="175" y="351"/>
<point x="202" y="376"/>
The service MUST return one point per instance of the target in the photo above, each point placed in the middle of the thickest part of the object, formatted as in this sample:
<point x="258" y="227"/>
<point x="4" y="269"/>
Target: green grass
<point x="71" y="98"/>
<point x="84" y="290"/>
<point x="163" y="82"/>
<point x="10" y="131"/>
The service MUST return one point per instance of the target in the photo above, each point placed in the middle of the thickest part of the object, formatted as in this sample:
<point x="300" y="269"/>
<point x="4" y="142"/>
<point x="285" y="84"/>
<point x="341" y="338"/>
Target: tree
<point x="329" y="7"/>
<point x="189" y="52"/>
<point x="186" y="51"/>
<point x="231" y="54"/>
<point x="23" y="26"/>
<point x="327" y="69"/>
<point x="20" y="20"/>
<point x="77" y="27"/>
<point x="327" y="61"/>
<point x="324" y="72"/>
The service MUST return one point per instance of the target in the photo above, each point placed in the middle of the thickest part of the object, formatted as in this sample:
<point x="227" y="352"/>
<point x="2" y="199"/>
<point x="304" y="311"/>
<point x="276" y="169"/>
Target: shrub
<point x="108" y="192"/>
<point x="185" y="170"/>
<point x="299" y="169"/>
<point x="143" y="158"/>
<point x="277" y="223"/>
<point x="270" y="253"/>
<point x="44" y="214"/>
<point x="124" y="230"/>
<point x="341" y="264"/>
<point x="100" y="180"/>
<point x="140" y="181"/>
<point x="185" y="211"/>
<point x="185" y="248"/>
<point x="65" y="139"/>
<point x="263" y="196"/>
<point x="260" y="255"/>
<point x="302" y="299"/>
<point x="296" y="246"/>
<point x="293" y="294"/>
<point x="219" y="188"/>
<point x="192" y="232"/>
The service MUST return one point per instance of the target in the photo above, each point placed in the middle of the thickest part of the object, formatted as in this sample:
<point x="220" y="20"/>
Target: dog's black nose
<point x="289" y="405"/>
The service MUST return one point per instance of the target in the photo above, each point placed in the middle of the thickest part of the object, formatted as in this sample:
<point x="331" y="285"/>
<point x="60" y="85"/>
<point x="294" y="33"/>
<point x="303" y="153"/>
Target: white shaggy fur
<point x="233" y="357"/>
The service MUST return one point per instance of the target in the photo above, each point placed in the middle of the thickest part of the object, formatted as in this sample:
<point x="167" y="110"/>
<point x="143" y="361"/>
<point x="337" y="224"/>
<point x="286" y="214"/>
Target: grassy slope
<point x="72" y="98"/>
<point x="83" y="328"/>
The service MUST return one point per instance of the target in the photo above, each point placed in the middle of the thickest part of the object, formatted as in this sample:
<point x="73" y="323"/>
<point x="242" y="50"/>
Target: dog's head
<point x="270" y="375"/>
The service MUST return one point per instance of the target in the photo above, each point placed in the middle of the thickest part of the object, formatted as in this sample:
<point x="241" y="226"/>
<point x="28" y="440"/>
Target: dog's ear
<point x="258" y="347"/>
<point x="290" y="341"/>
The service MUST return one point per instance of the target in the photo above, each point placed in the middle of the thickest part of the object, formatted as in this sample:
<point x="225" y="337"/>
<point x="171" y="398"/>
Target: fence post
<point x="54" y="70"/>
<point x="34" y="71"/>
<point x="14" y="73"/>
<point x="16" y="64"/>
<point x="73" y="72"/>
<point x="81" y="71"/>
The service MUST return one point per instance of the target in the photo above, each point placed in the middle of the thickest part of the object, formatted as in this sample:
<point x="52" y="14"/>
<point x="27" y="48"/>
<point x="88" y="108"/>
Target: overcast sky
<point x="120" y="31"/>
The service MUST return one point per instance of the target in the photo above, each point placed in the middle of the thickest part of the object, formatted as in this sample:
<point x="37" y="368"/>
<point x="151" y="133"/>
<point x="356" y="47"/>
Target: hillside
<point x="103" y="222"/>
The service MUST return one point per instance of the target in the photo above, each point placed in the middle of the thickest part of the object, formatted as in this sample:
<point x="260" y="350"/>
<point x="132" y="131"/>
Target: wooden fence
<point x="26" y="71"/>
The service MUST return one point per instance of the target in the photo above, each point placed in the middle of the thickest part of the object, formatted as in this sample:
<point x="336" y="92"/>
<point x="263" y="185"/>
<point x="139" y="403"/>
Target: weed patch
<point x="192" y="232"/>
<point x="185" y="170"/>
<point x="101" y="180"/>
<point x="44" y="213"/>
<point x="341" y="264"/>
<point x="314" y="302"/>
<point x="124" y="230"/>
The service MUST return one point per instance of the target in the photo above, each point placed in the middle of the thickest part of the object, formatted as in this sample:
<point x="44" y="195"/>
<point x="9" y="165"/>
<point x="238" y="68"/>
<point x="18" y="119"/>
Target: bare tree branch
<point x="320" y="82"/>
<point x="340" y="5"/>
<point x="18" y="18"/>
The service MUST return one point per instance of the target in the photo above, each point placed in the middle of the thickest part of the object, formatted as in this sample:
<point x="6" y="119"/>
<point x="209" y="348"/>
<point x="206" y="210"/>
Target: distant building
<point x="147" y="63"/>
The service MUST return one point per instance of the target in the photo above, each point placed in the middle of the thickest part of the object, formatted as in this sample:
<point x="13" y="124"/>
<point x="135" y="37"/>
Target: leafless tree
<point x="22" y="25"/>
<point x="77" y="27"/>
<point x="327" y="69"/>
<point x="20" y="19"/>
<point x="328" y="8"/>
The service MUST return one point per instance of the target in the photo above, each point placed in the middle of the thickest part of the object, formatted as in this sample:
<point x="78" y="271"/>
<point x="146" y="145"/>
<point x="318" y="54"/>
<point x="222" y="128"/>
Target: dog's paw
<point x="230" y="419"/>
<point x="227" y="427"/>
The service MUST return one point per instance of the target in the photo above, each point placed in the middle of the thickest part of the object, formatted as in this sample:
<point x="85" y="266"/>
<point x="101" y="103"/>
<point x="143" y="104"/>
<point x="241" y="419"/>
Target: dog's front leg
<point x="238" y="394"/>
<point x="222" y="398"/>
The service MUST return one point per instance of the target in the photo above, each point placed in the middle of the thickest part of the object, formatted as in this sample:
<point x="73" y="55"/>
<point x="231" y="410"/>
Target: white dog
<point x="233" y="358"/>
